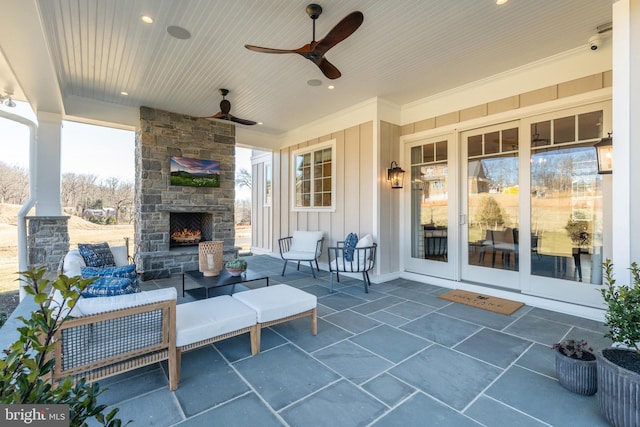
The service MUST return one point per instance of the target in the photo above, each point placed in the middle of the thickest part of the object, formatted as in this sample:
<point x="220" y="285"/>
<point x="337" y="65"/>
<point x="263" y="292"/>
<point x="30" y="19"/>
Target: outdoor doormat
<point x="485" y="302"/>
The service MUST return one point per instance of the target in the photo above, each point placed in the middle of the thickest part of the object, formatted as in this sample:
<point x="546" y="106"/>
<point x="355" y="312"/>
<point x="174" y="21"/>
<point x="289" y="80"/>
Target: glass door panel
<point x="491" y="230"/>
<point x="566" y="201"/>
<point x="429" y="208"/>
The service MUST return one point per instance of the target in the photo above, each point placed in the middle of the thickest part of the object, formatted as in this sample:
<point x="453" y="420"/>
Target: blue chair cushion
<point x="108" y="286"/>
<point x="96" y="254"/>
<point x="349" y="244"/>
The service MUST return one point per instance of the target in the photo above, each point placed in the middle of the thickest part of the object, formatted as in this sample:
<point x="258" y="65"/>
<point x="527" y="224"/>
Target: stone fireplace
<point x="164" y="210"/>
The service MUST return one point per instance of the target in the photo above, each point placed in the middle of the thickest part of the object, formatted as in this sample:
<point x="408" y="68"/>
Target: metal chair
<point x="301" y="246"/>
<point x="361" y="260"/>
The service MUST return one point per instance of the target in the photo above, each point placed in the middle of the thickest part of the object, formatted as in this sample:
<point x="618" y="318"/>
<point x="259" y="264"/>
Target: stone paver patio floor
<point x="397" y="356"/>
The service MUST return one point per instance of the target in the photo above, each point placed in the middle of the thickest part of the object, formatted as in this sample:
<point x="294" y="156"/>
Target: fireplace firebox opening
<point x="190" y="228"/>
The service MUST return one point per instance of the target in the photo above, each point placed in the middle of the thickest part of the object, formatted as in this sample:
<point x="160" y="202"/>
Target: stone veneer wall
<point x="47" y="242"/>
<point x="161" y="135"/>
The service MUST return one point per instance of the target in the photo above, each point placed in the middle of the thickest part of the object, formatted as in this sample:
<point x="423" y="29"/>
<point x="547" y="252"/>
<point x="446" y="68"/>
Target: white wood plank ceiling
<point x="405" y="50"/>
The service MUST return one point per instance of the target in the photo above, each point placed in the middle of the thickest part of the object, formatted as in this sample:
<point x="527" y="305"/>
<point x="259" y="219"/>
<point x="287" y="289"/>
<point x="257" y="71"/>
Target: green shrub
<point x="623" y="307"/>
<point x="26" y="369"/>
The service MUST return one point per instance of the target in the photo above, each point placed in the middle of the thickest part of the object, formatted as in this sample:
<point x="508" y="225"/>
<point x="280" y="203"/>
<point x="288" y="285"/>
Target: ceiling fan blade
<point x="241" y="121"/>
<point x="268" y="49"/>
<point x="327" y="68"/>
<point x="341" y="31"/>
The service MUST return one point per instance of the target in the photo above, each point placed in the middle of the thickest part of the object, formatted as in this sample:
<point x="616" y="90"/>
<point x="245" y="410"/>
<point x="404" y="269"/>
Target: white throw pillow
<point x="73" y="263"/>
<point x="119" y="255"/>
<point x="365" y="241"/>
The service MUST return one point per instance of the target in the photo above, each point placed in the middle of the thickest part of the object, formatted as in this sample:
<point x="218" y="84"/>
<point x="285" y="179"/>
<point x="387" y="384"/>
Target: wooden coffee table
<point x="223" y="279"/>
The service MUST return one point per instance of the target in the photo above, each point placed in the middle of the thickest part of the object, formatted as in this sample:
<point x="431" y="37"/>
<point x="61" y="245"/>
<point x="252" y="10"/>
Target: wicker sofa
<point x="105" y="336"/>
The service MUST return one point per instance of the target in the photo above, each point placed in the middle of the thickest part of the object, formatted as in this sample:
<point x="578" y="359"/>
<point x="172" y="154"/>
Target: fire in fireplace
<point x="186" y="236"/>
<point x="190" y="228"/>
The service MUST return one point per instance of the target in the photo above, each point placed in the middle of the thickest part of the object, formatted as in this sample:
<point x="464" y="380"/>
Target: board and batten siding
<point x="260" y="213"/>
<point x="354" y="190"/>
<point x="389" y="199"/>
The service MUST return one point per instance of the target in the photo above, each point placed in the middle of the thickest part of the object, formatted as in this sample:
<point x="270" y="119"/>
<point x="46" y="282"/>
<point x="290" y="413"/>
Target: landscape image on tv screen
<point x="195" y="172"/>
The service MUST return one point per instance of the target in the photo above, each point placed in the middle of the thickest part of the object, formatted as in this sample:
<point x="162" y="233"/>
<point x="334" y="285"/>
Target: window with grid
<point x="313" y="177"/>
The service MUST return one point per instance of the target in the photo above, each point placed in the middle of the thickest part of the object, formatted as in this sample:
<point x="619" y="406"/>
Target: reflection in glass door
<point x="566" y="199"/>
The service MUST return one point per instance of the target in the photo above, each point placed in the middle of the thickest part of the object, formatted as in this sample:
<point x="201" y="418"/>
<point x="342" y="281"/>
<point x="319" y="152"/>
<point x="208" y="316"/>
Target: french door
<point x="489" y="225"/>
<point x="431" y="213"/>
<point x="516" y="205"/>
<point x="569" y="220"/>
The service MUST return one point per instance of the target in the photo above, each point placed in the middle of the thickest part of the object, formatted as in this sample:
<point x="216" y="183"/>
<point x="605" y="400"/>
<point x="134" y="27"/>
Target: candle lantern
<point x="210" y="257"/>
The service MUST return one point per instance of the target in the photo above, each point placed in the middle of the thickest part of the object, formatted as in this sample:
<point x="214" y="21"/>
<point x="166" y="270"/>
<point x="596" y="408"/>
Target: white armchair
<point x="302" y="246"/>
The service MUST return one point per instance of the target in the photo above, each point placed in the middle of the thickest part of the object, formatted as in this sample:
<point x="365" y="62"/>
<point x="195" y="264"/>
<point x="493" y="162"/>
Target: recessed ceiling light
<point x="259" y="123"/>
<point x="178" y="32"/>
<point x="146" y="19"/>
<point x="123" y="93"/>
<point x="331" y="87"/>
<point x="499" y="2"/>
<point x="314" y="82"/>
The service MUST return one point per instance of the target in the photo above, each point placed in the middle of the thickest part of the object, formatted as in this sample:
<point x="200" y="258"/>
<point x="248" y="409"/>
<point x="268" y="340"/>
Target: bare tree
<point x="70" y="189"/>
<point x="14" y="183"/>
<point x="243" y="178"/>
<point x="119" y="195"/>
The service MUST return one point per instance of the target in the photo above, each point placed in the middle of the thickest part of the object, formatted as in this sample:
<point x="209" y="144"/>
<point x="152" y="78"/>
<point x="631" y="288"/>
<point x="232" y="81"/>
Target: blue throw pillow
<point x="96" y="255"/>
<point x="126" y="271"/>
<point x="110" y="286"/>
<point x="349" y="244"/>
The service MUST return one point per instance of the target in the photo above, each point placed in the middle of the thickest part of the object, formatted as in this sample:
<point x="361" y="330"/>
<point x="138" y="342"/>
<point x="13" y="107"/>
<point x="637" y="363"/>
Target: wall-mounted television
<point x="195" y="172"/>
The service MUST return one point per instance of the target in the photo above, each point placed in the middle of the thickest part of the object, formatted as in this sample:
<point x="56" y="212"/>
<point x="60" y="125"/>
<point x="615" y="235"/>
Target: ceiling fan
<point x="225" y="107"/>
<point x="315" y="50"/>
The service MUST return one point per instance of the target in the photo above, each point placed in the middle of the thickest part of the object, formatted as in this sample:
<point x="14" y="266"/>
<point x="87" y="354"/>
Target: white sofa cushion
<point x="277" y="301"/>
<point x="208" y="318"/>
<point x="88" y="306"/>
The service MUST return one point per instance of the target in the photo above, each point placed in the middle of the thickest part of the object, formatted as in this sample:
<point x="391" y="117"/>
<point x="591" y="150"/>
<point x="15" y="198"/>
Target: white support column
<point x="47" y="165"/>
<point x="626" y="134"/>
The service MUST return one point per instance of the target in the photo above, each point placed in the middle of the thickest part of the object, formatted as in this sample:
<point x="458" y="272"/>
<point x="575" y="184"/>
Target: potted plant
<point x="26" y="366"/>
<point x="579" y="231"/>
<point x="576" y="366"/>
<point x="236" y="266"/>
<point x="619" y="367"/>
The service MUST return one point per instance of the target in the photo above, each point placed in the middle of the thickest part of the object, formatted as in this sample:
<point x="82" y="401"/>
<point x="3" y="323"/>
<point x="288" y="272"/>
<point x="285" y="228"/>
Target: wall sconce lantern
<point x="395" y="175"/>
<point x="604" y="152"/>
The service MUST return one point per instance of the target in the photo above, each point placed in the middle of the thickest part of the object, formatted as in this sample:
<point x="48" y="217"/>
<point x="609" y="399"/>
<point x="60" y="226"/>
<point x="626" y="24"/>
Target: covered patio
<point x="398" y="355"/>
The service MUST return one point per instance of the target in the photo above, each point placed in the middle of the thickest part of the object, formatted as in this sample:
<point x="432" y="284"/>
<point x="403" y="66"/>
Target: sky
<point x="89" y="149"/>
